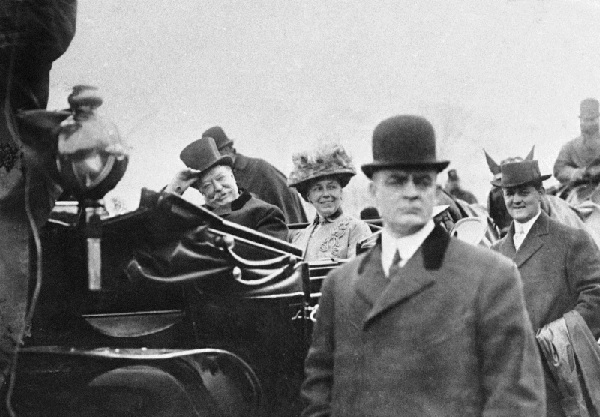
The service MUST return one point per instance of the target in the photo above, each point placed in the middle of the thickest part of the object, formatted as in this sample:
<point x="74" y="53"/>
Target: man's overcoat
<point x="560" y="270"/>
<point x="269" y="184"/>
<point x="447" y="336"/>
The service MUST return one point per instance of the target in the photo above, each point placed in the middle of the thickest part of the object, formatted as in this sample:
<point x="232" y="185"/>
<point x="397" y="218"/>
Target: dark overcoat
<point x="447" y="336"/>
<point x="560" y="269"/>
<point x="258" y="215"/>
<point x="269" y="184"/>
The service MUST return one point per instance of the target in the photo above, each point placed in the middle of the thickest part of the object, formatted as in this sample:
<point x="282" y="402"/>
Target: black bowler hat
<point x="404" y="142"/>
<point x="520" y="173"/>
<point x="202" y="154"/>
<point x="218" y="134"/>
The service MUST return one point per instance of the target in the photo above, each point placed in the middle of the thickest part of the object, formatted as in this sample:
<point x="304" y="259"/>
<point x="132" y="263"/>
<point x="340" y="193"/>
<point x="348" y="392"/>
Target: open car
<point x="212" y="323"/>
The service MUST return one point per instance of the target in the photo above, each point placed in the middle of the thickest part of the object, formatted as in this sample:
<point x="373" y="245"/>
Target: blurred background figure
<point x="320" y="177"/>
<point x="454" y="188"/>
<point x="578" y="157"/>
<point x="32" y="36"/>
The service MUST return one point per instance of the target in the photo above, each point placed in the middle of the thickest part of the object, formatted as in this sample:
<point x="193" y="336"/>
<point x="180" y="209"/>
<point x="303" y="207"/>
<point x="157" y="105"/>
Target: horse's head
<point x="497" y="209"/>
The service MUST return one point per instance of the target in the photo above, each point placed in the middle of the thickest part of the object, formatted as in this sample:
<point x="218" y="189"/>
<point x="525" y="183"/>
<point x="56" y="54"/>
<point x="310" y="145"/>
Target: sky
<point x="283" y="77"/>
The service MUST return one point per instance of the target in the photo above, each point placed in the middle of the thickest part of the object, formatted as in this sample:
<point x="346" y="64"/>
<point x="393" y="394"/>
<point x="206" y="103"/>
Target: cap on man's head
<point x="218" y="134"/>
<point x="202" y="155"/>
<point x="519" y="173"/>
<point x="404" y="141"/>
<point x="589" y="108"/>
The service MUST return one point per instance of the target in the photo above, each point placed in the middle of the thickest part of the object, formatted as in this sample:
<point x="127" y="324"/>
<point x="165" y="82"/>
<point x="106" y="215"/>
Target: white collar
<point x="526" y="227"/>
<point x="406" y="245"/>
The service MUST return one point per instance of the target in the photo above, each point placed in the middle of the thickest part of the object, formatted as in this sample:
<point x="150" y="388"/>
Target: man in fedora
<point x="421" y="324"/>
<point x="559" y="265"/>
<point x="580" y="153"/>
<point x="211" y="173"/>
<point x="260" y="178"/>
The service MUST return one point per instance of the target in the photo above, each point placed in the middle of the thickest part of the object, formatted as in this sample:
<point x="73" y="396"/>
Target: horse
<point x="555" y="207"/>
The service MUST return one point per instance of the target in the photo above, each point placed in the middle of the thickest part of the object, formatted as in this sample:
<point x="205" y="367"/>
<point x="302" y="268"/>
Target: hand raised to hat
<point x="182" y="180"/>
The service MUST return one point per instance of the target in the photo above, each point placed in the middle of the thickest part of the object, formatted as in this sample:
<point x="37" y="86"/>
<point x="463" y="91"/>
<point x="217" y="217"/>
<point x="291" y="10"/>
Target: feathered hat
<point x="327" y="160"/>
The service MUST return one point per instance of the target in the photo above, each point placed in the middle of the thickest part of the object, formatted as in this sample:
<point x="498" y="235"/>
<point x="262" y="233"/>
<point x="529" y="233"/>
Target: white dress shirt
<point x="406" y="246"/>
<point x="521" y="230"/>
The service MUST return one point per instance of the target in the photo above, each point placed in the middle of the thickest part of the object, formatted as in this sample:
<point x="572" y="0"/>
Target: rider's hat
<point x="520" y="173"/>
<point x="589" y="108"/>
<point x="327" y="161"/>
<point x="404" y="142"/>
<point x="203" y="154"/>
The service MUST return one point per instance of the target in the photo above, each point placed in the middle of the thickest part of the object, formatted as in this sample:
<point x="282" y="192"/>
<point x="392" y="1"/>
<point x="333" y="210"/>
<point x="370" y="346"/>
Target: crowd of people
<point x="424" y="324"/>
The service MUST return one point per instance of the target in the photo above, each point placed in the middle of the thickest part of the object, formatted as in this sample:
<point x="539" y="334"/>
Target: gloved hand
<point x="182" y="181"/>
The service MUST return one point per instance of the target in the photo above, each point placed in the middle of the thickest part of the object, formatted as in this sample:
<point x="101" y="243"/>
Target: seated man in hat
<point x="260" y="178"/>
<point x="578" y="158"/>
<point x="211" y="173"/>
<point x="559" y="265"/>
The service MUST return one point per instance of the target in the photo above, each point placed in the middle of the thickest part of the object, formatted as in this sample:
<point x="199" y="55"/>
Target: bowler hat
<point x="404" y="142"/>
<point x="520" y="173"/>
<point x="202" y="154"/>
<point x="589" y="108"/>
<point x="218" y="134"/>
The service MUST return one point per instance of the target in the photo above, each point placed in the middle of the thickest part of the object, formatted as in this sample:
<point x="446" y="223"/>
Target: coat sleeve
<point x="564" y="167"/>
<point x="360" y="231"/>
<point x="318" y="366"/>
<point x="583" y="271"/>
<point x="512" y="375"/>
<point x="272" y="223"/>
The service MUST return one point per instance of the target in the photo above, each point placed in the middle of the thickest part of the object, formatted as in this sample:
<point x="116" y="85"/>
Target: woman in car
<point x="320" y="177"/>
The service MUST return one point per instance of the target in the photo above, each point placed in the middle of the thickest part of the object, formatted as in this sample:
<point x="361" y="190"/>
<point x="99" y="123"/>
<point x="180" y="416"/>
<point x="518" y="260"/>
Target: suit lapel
<point x="411" y="279"/>
<point x="371" y="280"/>
<point x="533" y="241"/>
<point x="418" y="273"/>
<point x="507" y="246"/>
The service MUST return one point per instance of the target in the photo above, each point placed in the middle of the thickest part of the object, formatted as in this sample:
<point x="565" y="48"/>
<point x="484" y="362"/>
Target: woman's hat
<point x="328" y="160"/>
<point x="404" y="141"/>
<point x="202" y="155"/>
<point x="521" y="173"/>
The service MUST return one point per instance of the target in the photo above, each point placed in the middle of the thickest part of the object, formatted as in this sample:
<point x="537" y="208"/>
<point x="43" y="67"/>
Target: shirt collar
<point x="406" y="245"/>
<point x="320" y="220"/>
<point x="526" y="227"/>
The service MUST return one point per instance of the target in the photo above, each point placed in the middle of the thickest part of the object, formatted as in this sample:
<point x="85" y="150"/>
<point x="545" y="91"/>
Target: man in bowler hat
<point x="260" y="178"/>
<point x="421" y="324"/>
<point x="576" y="156"/>
<point x="211" y="173"/>
<point x="559" y="265"/>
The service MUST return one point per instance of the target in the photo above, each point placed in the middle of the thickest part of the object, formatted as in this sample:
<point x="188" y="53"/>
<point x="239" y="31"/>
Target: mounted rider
<point x="577" y="157"/>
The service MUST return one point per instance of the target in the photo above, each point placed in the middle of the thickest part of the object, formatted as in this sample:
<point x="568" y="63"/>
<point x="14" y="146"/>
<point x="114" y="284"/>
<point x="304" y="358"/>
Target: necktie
<point x="519" y="237"/>
<point x="395" y="267"/>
